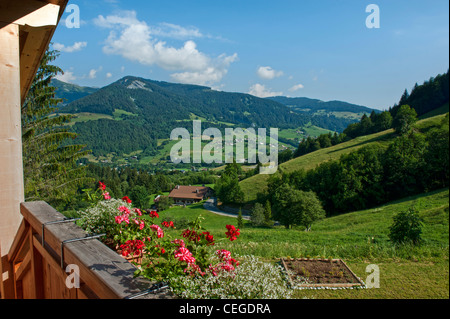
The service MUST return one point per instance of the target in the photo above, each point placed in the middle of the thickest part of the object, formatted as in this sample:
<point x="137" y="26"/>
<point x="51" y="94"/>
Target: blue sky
<point x="315" y="48"/>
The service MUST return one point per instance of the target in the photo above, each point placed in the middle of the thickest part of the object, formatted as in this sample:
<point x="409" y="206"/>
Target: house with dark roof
<point x="186" y="195"/>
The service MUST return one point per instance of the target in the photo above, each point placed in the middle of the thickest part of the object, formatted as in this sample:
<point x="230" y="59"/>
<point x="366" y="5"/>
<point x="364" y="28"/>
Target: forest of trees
<point x="227" y="187"/>
<point x="414" y="163"/>
<point x="423" y="99"/>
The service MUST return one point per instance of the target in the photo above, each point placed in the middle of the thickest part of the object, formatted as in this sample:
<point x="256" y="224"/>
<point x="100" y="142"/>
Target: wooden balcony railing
<point x="36" y="269"/>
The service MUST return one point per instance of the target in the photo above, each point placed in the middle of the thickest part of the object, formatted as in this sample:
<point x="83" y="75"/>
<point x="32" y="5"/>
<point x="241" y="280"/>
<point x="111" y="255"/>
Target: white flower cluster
<point x="252" y="279"/>
<point x="101" y="217"/>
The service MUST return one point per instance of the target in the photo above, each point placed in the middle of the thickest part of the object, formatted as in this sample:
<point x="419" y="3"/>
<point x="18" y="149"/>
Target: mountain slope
<point x="258" y="183"/>
<point x="149" y="110"/>
<point x="177" y="102"/>
<point x="71" y="92"/>
<point x="303" y="104"/>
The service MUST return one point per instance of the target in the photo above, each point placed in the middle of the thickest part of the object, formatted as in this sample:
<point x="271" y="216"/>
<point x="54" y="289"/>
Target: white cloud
<point x="109" y="75"/>
<point x="67" y="77"/>
<point x="134" y="40"/>
<point x="211" y="74"/>
<point x="296" y="87"/>
<point x="170" y="30"/>
<point x="260" y="90"/>
<point x="126" y="18"/>
<point x="267" y="73"/>
<point x="77" y="46"/>
<point x="93" y="73"/>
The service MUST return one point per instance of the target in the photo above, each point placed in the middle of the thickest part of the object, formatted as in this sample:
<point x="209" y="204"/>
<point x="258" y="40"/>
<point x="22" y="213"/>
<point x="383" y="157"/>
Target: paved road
<point x="209" y="205"/>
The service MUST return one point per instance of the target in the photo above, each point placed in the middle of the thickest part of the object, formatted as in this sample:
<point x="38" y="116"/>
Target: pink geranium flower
<point x="158" y="230"/>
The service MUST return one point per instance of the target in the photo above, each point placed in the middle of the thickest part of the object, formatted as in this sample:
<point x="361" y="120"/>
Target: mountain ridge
<point x="149" y="110"/>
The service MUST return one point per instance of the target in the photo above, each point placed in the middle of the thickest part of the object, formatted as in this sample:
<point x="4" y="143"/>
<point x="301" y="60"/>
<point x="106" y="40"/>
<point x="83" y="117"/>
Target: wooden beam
<point x="31" y="54"/>
<point x="18" y="240"/>
<point x="11" y="169"/>
<point x="32" y="13"/>
<point x="37" y="18"/>
<point x="24" y="267"/>
<point x="37" y="270"/>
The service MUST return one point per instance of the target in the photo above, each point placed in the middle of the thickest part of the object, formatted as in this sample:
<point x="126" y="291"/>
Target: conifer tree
<point x="50" y="165"/>
<point x="268" y="214"/>
<point x="240" y="219"/>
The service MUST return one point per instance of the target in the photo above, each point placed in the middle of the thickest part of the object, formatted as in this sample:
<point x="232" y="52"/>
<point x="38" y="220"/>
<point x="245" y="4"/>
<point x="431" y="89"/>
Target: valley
<point x="106" y="119"/>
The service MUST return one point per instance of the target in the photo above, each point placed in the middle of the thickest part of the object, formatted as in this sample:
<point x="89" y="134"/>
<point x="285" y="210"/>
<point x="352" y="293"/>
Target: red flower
<point x="183" y="254"/>
<point x="232" y="232"/>
<point x="168" y="224"/>
<point x="161" y="249"/>
<point x="124" y="210"/>
<point x="191" y="235"/>
<point x="223" y="254"/>
<point x="140" y="223"/>
<point x="234" y="262"/>
<point x="179" y="242"/>
<point x="209" y="238"/>
<point x="126" y="199"/>
<point x="101" y="186"/>
<point x="132" y="247"/>
<point x="122" y="218"/>
<point x="153" y="214"/>
<point x="158" y="230"/>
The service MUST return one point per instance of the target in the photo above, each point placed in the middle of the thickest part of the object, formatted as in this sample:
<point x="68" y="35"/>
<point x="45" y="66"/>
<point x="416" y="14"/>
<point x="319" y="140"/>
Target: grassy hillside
<point x="441" y="110"/>
<point x="343" y="236"/>
<point x="360" y="238"/>
<point x="258" y="183"/>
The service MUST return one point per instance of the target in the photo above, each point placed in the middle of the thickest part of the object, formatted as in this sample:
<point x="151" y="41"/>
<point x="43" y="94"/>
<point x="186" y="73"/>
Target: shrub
<point x="164" y="203"/>
<point x="405" y="118"/>
<point x="179" y="222"/>
<point x="257" y="216"/>
<point x="406" y="228"/>
<point x="253" y="279"/>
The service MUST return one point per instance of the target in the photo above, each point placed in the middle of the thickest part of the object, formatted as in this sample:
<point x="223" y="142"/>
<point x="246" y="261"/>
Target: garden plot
<point x="320" y="273"/>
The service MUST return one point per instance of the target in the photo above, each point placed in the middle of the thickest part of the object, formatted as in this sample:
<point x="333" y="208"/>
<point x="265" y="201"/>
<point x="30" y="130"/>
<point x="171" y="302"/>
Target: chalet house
<point x="185" y="195"/>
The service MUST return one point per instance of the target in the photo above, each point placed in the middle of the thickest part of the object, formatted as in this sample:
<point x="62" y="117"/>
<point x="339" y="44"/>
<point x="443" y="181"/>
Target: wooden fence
<point x="50" y="255"/>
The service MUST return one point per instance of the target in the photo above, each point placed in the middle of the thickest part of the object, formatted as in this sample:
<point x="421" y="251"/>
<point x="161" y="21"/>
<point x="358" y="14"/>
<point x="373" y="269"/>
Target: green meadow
<point x="359" y="238"/>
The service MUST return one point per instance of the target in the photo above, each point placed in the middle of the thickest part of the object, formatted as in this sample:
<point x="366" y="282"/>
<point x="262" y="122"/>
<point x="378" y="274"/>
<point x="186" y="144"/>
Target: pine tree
<point x="268" y="214"/>
<point x="404" y="98"/>
<point x="240" y="219"/>
<point x="49" y="161"/>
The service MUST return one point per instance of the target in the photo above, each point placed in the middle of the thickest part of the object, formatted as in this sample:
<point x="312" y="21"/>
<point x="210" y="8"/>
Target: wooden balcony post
<point x="11" y="169"/>
<point x="26" y="27"/>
